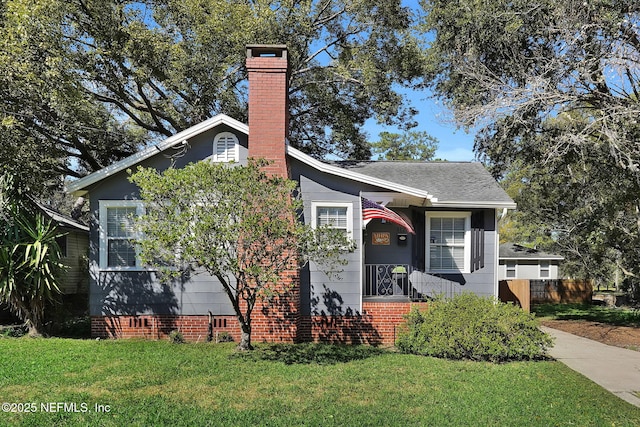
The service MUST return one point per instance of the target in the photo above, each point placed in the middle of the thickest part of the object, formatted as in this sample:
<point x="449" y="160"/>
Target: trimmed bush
<point x="474" y="328"/>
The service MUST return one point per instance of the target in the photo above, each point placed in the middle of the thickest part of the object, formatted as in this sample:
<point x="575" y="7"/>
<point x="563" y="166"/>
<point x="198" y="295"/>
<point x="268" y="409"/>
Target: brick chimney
<point x="268" y="105"/>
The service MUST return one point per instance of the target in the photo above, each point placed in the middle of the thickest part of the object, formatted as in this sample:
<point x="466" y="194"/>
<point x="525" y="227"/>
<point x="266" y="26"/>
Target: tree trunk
<point x="245" y="338"/>
<point x="34" y="318"/>
<point x="35" y="328"/>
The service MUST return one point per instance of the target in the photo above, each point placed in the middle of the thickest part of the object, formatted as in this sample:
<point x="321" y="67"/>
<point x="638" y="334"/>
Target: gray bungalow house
<point x="519" y="262"/>
<point x="420" y="228"/>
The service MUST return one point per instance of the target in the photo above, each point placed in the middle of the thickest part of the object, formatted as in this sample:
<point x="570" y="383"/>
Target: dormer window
<point x="225" y="147"/>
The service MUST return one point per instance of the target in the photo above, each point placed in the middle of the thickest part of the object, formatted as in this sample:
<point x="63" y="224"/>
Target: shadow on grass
<point x="594" y="313"/>
<point x="307" y="353"/>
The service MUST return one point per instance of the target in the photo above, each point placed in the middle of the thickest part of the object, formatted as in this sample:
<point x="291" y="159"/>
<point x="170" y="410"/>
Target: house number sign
<point x="381" y="238"/>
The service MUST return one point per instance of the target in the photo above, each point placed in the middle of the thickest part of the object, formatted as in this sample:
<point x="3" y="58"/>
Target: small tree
<point x="237" y="223"/>
<point x="29" y="257"/>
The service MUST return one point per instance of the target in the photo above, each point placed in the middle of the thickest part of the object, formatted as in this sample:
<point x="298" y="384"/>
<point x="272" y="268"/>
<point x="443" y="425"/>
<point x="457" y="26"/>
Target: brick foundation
<point x="377" y="325"/>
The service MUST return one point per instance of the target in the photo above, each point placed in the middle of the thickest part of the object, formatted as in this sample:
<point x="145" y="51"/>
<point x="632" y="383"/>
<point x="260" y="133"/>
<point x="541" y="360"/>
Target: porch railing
<point x="403" y="280"/>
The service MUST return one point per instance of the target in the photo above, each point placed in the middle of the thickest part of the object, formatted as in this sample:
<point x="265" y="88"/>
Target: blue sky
<point x="453" y="144"/>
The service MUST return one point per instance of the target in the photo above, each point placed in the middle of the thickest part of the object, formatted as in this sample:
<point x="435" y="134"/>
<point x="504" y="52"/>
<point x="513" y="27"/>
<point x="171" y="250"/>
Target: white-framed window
<point x="334" y="214"/>
<point x="511" y="269"/>
<point x="225" y="147"/>
<point x="448" y="242"/>
<point x="544" y="270"/>
<point x="118" y="250"/>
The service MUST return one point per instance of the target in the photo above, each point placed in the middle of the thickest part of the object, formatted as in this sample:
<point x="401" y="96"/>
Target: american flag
<point x="372" y="210"/>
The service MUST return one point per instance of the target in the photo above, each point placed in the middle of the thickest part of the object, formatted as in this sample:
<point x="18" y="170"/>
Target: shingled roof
<point x="456" y="182"/>
<point x="515" y="251"/>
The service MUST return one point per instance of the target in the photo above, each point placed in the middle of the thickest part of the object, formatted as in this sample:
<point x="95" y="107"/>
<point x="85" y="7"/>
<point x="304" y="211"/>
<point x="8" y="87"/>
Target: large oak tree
<point x="552" y="85"/>
<point x="87" y="82"/>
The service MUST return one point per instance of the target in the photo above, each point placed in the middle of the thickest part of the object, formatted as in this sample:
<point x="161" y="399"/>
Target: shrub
<point x="475" y="328"/>
<point x="176" y="337"/>
<point x="223" y="337"/>
<point x="13" y="331"/>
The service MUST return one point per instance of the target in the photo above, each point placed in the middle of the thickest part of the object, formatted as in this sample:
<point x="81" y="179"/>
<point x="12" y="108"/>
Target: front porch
<point x="404" y="282"/>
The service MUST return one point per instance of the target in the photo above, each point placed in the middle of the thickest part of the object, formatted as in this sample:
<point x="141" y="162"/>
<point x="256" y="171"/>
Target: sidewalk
<point x="614" y="368"/>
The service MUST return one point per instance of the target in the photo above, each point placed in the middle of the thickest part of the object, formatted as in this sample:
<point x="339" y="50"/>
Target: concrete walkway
<point x="614" y="368"/>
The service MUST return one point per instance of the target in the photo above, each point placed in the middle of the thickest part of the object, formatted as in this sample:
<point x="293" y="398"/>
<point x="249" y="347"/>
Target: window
<point x="449" y="241"/>
<point x="336" y="215"/>
<point x="118" y="235"/>
<point x="511" y="269"/>
<point x="62" y="244"/>
<point x="225" y="147"/>
<point x="544" y="269"/>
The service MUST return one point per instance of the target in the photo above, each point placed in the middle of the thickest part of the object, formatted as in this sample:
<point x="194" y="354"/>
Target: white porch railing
<point x="403" y="280"/>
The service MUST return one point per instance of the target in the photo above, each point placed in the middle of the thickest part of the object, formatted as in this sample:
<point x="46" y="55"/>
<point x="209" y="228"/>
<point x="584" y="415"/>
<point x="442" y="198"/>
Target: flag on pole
<point x="372" y="210"/>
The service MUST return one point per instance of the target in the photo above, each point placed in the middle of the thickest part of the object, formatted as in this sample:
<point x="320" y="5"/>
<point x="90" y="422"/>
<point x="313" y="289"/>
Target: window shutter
<point x="477" y="240"/>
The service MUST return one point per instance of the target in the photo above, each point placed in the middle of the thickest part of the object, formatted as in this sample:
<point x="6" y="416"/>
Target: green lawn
<point x="594" y="313"/>
<point x="157" y="383"/>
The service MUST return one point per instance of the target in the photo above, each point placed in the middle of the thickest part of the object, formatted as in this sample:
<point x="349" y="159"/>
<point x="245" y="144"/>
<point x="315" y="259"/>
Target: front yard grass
<point x="595" y="313"/>
<point x="156" y="383"/>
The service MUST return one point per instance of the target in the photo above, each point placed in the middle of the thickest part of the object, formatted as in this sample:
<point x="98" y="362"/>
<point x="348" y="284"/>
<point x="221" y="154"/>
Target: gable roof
<point x="512" y="251"/>
<point x="442" y="184"/>
<point x="61" y="220"/>
<point x="79" y="185"/>
<point x="333" y="169"/>
<point x="451" y="184"/>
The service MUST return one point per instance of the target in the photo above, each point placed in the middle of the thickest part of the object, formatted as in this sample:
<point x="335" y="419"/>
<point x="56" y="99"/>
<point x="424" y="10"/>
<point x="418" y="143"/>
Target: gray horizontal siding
<point x="333" y="294"/>
<point x="133" y="292"/>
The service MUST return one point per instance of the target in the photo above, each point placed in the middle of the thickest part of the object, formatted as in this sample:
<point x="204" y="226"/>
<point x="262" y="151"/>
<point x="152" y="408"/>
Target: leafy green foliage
<point x="85" y="83"/>
<point x="413" y="145"/>
<point x="238" y="224"/>
<point x="552" y="87"/>
<point x="176" y="337"/>
<point x="29" y="257"/>
<point x="475" y="328"/>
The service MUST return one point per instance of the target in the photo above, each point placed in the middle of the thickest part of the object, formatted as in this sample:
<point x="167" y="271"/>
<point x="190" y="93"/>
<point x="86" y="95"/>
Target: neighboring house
<point x="74" y="246"/>
<point x="520" y="262"/>
<point x="451" y="208"/>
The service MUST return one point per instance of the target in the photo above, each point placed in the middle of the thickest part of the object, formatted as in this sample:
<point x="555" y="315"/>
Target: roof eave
<point x="367" y="179"/>
<point x="79" y="186"/>
<point x="475" y="205"/>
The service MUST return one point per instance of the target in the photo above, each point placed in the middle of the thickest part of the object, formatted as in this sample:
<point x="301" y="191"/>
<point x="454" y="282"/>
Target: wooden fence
<point x="517" y="292"/>
<point x="563" y="291"/>
<point x="526" y="292"/>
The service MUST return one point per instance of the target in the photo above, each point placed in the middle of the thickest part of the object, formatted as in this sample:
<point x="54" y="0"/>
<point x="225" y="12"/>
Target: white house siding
<point x="528" y="269"/>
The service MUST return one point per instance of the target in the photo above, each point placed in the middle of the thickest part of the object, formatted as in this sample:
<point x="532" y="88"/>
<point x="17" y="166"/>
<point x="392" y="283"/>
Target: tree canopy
<point x="87" y="82"/>
<point x="553" y="86"/>
<point x="412" y="145"/>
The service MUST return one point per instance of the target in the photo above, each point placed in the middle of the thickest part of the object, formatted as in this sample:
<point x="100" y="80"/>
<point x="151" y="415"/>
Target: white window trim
<point x="348" y="205"/>
<point x="540" y="269"/>
<point x="467" y="240"/>
<point x="236" y="148"/>
<point x="103" y="206"/>
<point x="506" y="269"/>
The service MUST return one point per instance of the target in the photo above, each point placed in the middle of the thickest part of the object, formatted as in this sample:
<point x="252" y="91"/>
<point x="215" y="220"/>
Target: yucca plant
<point x="29" y="259"/>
